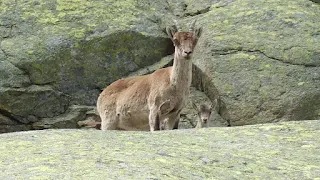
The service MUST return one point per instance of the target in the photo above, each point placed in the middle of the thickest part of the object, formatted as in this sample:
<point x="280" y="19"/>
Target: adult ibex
<point x="134" y="103"/>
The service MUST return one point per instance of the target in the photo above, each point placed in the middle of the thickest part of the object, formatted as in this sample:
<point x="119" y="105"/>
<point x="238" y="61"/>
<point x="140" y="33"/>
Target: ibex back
<point x="134" y="103"/>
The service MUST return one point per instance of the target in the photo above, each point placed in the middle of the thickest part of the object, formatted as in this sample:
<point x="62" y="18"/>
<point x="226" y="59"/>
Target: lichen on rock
<point x="287" y="150"/>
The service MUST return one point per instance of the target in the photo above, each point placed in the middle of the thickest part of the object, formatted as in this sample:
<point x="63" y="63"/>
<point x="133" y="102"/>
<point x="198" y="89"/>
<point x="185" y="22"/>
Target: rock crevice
<point x="233" y="51"/>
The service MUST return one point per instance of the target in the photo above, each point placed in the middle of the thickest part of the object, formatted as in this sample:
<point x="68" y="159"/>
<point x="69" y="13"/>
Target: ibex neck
<point x="181" y="74"/>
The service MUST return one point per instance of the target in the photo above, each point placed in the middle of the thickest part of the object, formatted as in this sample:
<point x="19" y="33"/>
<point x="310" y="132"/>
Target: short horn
<point x="192" y="24"/>
<point x="177" y="26"/>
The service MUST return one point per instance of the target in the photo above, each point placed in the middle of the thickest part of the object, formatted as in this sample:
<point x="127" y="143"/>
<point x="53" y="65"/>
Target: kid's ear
<point x="214" y="104"/>
<point x="195" y="106"/>
<point x="198" y="32"/>
<point x="170" y="32"/>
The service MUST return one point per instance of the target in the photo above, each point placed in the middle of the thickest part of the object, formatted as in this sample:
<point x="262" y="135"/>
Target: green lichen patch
<point x="285" y="150"/>
<point x="11" y="76"/>
<point x="260" y="58"/>
<point x="76" y="17"/>
<point x="282" y="30"/>
<point x="39" y="101"/>
<point x="79" y="47"/>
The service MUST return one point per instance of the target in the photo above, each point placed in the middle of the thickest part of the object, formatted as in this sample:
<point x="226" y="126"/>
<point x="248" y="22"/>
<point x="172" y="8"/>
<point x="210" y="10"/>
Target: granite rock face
<point x="74" y="48"/>
<point x="287" y="150"/>
<point x="260" y="60"/>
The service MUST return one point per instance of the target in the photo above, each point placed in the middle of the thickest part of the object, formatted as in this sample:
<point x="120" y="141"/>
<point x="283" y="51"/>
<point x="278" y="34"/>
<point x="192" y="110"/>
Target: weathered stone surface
<point x="79" y="50"/>
<point x="316" y="1"/>
<point x="6" y="120"/>
<point x="39" y="101"/>
<point x="11" y="76"/>
<point x="14" y="128"/>
<point x="92" y="120"/>
<point x="67" y="120"/>
<point x="75" y="47"/>
<point x="261" y="59"/>
<point x="164" y="62"/>
<point x="287" y="150"/>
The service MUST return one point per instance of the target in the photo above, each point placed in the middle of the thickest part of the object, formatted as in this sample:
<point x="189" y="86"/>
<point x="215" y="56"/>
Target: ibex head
<point x="184" y="41"/>
<point x="204" y="113"/>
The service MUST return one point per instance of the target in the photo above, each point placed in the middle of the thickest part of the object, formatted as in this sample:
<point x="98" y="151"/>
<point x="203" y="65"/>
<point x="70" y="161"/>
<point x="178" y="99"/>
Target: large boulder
<point x="79" y="47"/>
<point x="74" y="48"/>
<point x="288" y="150"/>
<point x="260" y="58"/>
<point x="24" y="104"/>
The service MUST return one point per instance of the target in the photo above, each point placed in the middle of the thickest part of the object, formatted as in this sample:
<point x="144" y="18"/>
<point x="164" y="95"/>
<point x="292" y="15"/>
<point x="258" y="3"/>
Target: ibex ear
<point x="170" y="32"/>
<point x="198" y="32"/>
<point x="195" y="106"/>
<point x="211" y="107"/>
<point x="214" y="104"/>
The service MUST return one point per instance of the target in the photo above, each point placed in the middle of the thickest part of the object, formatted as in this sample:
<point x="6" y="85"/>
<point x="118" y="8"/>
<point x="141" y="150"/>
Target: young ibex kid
<point x="204" y="114"/>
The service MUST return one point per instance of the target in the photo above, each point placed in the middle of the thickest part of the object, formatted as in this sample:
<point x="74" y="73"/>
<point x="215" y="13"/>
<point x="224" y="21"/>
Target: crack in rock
<point x="3" y="51"/>
<point x="233" y="51"/>
<point x="6" y="54"/>
<point x="8" y="115"/>
<point x="219" y="4"/>
<point x="169" y="7"/>
<point x="198" y="12"/>
<point x="315" y="1"/>
<point x="9" y="28"/>
<point x="17" y="74"/>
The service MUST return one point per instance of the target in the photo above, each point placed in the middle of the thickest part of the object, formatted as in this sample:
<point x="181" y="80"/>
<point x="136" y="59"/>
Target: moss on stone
<point x="39" y="101"/>
<point x="77" y="17"/>
<point x="258" y="52"/>
<point x="80" y="46"/>
<point x="273" y="23"/>
<point x="281" y="150"/>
